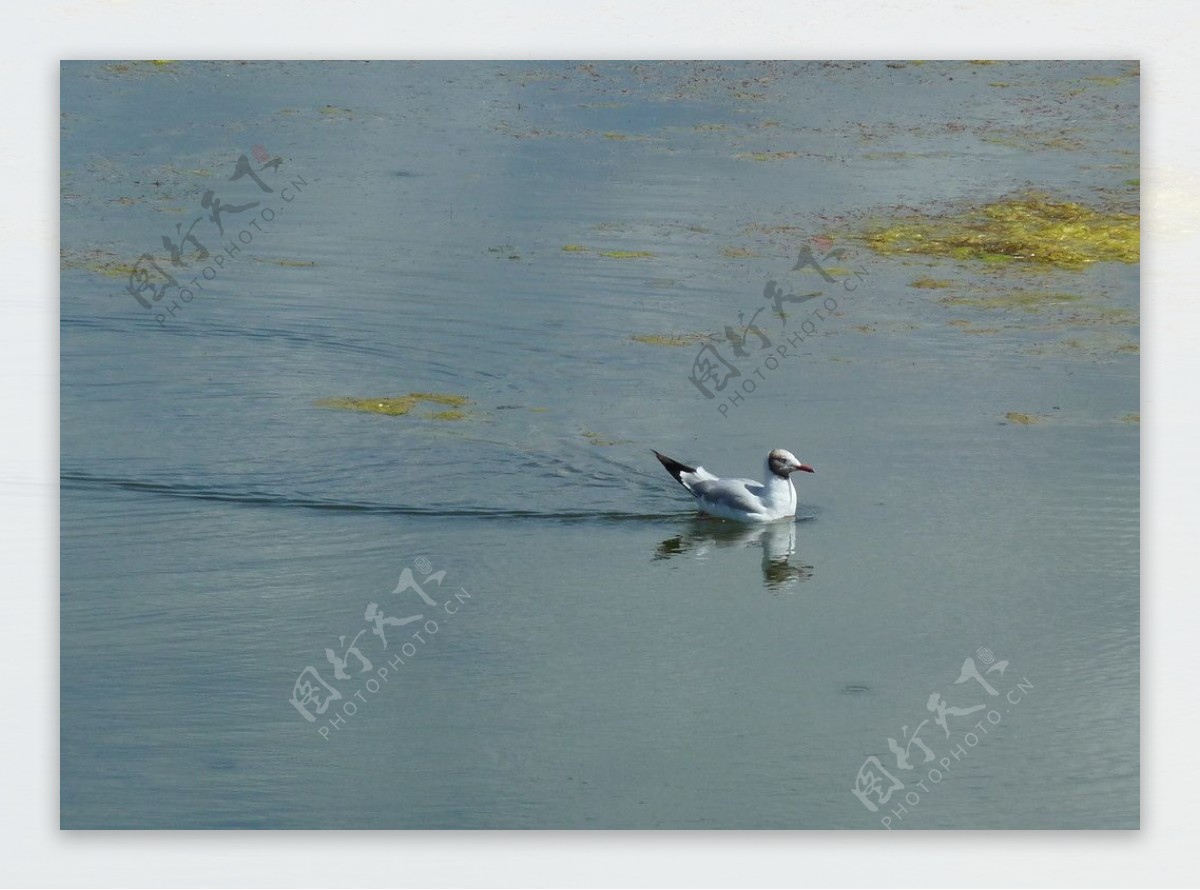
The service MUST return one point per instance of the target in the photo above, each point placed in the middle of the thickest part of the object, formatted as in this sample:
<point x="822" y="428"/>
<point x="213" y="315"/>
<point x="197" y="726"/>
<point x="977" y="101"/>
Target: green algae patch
<point x="784" y="229"/>
<point x="616" y="137"/>
<point x="1031" y="301"/>
<point x="767" y="155"/>
<point x="627" y="254"/>
<point x="1033" y="138"/>
<point x="737" y="253"/>
<point x="396" y="406"/>
<point x="140" y="66"/>
<point x="1022" y="419"/>
<point x="669" y="339"/>
<point x="441" y="398"/>
<point x="927" y="283"/>
<point x="1029" y="229"/>
<point x="284" y="262"/>
<point x="114" y="269"/>
<point x="97" y="261"/>
<point x="1131" y="418"/>
<point x="574" y="248"/>
<point x="601" y="441"/>
<point x="1104" y="315"/>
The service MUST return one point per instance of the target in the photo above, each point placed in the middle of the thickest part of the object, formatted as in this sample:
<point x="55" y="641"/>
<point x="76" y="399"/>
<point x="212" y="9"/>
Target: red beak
<point x="805" y="468"/>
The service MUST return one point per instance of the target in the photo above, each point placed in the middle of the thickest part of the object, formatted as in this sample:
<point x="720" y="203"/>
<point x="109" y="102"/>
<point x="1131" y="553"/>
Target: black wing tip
<point x="674" y="467"/>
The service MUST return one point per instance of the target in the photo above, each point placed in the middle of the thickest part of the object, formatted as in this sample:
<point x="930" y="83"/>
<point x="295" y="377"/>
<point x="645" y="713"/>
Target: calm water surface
<point x="601" y="657"/>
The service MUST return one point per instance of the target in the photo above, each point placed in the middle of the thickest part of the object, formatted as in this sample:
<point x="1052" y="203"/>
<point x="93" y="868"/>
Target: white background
<point x="1162" y="35"/>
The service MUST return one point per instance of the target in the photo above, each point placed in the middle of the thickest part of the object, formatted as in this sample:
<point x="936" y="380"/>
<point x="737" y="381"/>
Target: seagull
<point x="743" y="500"/>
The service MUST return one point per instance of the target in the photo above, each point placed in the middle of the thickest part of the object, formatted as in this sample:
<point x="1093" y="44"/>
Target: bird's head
<point x="783" y="463"/>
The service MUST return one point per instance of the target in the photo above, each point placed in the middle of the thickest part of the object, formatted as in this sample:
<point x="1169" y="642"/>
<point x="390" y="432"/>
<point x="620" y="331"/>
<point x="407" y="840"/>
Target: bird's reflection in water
<point x="777" y="540"/>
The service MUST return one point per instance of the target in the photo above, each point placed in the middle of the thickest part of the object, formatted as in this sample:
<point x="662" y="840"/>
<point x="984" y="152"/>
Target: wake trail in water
<point x="260" y="498"/>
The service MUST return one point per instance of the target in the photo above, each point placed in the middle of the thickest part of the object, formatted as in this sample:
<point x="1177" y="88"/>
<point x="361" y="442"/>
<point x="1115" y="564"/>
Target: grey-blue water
<point x="595" y="656"/>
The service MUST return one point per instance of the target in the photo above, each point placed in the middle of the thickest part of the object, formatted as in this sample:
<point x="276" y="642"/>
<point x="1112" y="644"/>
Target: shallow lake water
<point x="568" y="256"/>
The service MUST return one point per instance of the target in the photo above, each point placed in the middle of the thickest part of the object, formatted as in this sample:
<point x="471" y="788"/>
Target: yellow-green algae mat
<point x="1028" y="228"/>
<point x="395" y="406"/>
<point x="669" y="339"/>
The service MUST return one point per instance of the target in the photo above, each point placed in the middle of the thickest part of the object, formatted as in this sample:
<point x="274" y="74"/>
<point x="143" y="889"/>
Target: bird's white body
<point x="743" y="500"/>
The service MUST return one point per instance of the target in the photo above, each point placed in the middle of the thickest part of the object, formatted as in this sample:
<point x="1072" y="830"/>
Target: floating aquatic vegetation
<point x="1024" y="419"/>
<point x="1099" y="346"/>
<point x="981" y="332"/>
<point x="1132" y="418"/>
<point x="669" y="339"/>
<point x="1032" y="138"/>
<point x="927" y="283"/>
<point x="395" y="406"/>
<point x="101" y="262"/>
<point x="627" y="254"/>
<point x="1031" y="301"/>
<point x="767" y="155"/>
<point x="1031" y="228"/>
<point x="283" y="262"/>
<point x="597" y="439"/>
<point x="574" y="248"/>
<point x="139" y="66"/>
<point x="616" y="137"/>
<point x="784" y="229"/>
<point x="1104" y="315"/>
<point x="735" y="253"/>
